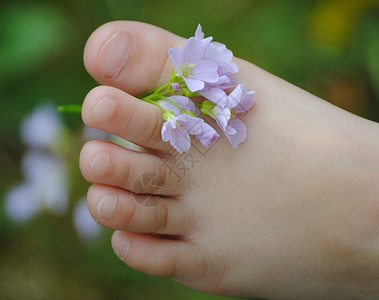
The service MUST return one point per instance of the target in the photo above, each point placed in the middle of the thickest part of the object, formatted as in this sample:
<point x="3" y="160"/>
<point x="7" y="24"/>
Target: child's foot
<point x="286" y="215"/>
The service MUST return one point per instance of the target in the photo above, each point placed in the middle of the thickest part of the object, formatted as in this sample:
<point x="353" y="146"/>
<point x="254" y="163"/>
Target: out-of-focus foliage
<point x="31" y="35"/>
<point x="371" y="53"/>
<point x="335" y="21"/>
<point x="329" y="47"/>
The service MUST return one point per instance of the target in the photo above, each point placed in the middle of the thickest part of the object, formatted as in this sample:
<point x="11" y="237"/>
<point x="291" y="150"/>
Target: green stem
<point x="154" y="91"/>
<point x="157" y="93"/>
<point x="147" y="94"/>
<point x="198" y="104"/>
<point x="150" y="97"/>
<point x="165" y="86"/>
<point x="155" y="103"/>
<point x="156" y="96"/>
<point x="71" y="108"/>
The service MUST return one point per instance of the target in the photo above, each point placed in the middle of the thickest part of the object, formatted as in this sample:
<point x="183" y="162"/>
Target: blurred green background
<point x="328" y="47"/>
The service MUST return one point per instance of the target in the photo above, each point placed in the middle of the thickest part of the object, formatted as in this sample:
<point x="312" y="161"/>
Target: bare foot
<point x="290" y="214"/>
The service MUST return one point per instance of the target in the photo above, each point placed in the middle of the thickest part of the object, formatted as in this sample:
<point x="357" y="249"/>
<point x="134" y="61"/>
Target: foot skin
<point x="289" y="214"/>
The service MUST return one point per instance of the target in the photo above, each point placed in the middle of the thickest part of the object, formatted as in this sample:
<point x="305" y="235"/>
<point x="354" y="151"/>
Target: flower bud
<point x="175" y="86"/>
<point x="207" y="109"/>
<point x="168" y="115"/>
<point x="190" y="94"/>
<point x="191" y="113"/>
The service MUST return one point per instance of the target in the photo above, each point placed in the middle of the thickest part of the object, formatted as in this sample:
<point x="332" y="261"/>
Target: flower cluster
<point x="202" y="83"/>
<point x="202" y="68"/>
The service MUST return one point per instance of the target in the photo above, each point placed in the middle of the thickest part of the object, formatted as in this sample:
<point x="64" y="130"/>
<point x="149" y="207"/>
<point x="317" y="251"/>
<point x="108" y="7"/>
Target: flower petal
<point x="240" y="100"/>
<point x="222" y="116"/>
<point x="166" y="132"/>
<point x="246" y="102"/>
<point x="169" y="106"/>
<point x="185" y="103"/>
<point x="193" y="51"/>
<point x="208" y="135"/>
<point x="199" y="33"/>
<point x="211" y="53"/>
<point x="228" y="67"/>
<point x="176" y="57"/>
<point x="216" y="95"/>
<point x="194" y="85"/>
<point x="230" y="130"/>
<point x="181" y="141"/>
<point x="234" y="98"/>
<point x="240" y="134"/>
<point x="223" y="53"/>
<point x="191" y="124"/>
<point x="206" y="70"/>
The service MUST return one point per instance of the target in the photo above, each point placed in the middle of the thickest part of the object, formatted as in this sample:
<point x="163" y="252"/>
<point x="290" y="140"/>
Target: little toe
<point x="157" y="256"/>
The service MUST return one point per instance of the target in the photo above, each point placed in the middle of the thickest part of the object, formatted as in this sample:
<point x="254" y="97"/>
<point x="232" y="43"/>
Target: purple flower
<point x="208" y="135"/>
<point x="206" y="67"/>
<point x="192" y="66"/>
<point x="222" y="56"/>
<point x="184" y="102"/>
<point x="177" y="129"/>
<point x="179" y="126"/>
<point x="218" y="53"/>
<point x="238" y="101"/>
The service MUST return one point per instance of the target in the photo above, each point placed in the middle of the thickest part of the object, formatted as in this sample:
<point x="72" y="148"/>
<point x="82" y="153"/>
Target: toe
<point x="155" y="256"/>
<point x="142" y="173"/>
<point x="112" y="110"/>
<point x="131" y="56"/>
<point x="118" y="209"/>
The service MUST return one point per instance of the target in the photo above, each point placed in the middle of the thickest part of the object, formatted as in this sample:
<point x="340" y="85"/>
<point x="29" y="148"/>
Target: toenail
<point x="104" y="109"/>
<point x="122" y="249"/>
<point x="106" y="207"/>
<point x="100" y="164"/>
<point x="114" y="54"/>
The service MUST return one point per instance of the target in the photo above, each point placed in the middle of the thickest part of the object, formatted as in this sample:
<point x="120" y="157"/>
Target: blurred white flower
<point x="20" y="203"/>
<point x="43" y="128"/>
<point x="85" y="225"/>
<point x="45" y="187"/>
<point x="46" y="183"/>
<point x="49" y="175"/>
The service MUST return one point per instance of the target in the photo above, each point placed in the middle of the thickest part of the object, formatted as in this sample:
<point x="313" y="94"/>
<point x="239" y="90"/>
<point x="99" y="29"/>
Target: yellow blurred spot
<point x="333" y="21"/>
